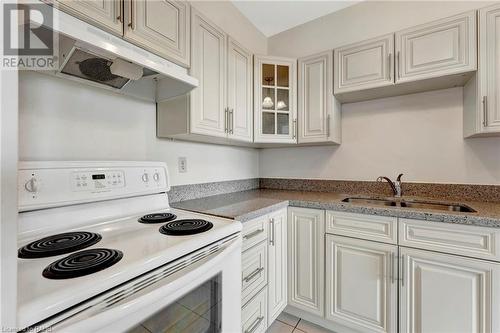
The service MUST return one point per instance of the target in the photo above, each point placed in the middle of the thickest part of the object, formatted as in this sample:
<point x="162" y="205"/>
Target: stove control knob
<point x="32" y="185"/>
<point x="156" y="177"/>
<point x="145" y="177"/>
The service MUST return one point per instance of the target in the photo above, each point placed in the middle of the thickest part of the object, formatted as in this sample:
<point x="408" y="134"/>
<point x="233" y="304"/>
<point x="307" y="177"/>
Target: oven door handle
<point x="159" y="285"/>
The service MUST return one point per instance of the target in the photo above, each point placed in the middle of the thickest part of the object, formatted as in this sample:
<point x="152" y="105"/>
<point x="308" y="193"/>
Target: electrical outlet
<point x="182" y="164"/>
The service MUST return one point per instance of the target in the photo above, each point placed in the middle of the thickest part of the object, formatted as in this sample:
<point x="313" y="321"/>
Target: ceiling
<point x="272" y="17"/>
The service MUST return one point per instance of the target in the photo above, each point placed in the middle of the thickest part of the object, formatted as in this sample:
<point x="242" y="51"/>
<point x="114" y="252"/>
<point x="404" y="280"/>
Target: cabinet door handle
<point x="392" y="268"/>
<point x="390" y="66"/>
<point x="485" y="111"/>
<point x="254" y="325"/>
<point x="403" y="265"/>
<point x="328" y="126"/>
<point x="131" y="17"/>
<point x="398" y="65"/>
<point x="120" y="11"/>
<point x="231" y="121"/>
<point x="294" y="135"/>
<point x="253" y="234"/>
<point x="252" y="275"/>
<point x="271" y="239"/>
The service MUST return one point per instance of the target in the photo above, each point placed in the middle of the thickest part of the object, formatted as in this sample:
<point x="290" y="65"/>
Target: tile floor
<point x="286" y="323"/>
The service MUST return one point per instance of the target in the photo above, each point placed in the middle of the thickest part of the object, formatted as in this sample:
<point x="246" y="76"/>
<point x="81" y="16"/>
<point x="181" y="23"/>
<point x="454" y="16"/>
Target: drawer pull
<point x="253" y="274"/>
<point x="253" y="234"/>
<point x="255" y="324"/>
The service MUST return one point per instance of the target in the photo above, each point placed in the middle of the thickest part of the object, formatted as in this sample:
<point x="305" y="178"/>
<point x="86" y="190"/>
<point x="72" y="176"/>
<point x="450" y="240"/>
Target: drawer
<point x="254" y="271"/>
<point x="254" y="232"/>
<point x="254" y="314"/>
<point x="370" y="227"/>
<point x="466" y="240"/>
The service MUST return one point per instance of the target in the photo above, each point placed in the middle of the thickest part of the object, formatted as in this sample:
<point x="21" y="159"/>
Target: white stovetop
<point x="144" y="248"/>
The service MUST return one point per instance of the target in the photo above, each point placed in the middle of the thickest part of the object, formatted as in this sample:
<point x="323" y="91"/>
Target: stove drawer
<point x="254" y="271"/>
<point x="254" y="231"/>
<point x="254" y="314"/>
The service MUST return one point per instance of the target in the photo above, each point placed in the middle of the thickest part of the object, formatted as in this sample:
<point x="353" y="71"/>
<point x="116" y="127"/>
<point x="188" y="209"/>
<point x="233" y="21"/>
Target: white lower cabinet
<point x="254" y="314"/>
<point x="306" y="249"/>
<point x="361" y="284"/>
<point x="446" y="293"/>
<point x="277" y="264"/>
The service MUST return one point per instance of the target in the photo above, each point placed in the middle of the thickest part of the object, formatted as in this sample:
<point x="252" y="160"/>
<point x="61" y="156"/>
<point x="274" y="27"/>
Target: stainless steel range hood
<point x="92" y="56"/>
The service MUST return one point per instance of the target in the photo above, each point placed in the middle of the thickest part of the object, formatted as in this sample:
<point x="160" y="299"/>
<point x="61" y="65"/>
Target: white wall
<point x="62" y="120"/>
<point x="419" y="135"/>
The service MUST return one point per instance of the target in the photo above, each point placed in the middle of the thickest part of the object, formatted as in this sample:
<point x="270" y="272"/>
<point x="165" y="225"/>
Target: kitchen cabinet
<point x="440" y="48"/>
<point x="275" y="96"/>
<point x="446" y="293"/>
<point x="239" y="92"/>
<point x="208" y="65"/>
<point x="361" y="284"/>
<point x="319" y="113"/>
<point x="219" y="110"/>
<point x="364" y="65"/>
<point x="481" y="105"/>
<point x="277" y="263"/>
<point x="306" y="237"/>
<point x="254" y="314"/>
<point x="160" y="26"/>
<point x="104" y="14"/>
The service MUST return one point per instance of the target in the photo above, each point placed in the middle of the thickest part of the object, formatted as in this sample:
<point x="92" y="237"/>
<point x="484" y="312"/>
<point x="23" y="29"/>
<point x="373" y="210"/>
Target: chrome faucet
<point x="396" y="186"/>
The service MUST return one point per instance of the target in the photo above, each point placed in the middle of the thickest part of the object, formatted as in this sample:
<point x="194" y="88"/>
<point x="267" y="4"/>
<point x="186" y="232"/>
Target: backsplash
<point x="486" y="193"/>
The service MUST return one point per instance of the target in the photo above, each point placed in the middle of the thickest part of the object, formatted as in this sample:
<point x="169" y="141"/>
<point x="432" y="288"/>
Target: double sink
<point x="417" y="204"/>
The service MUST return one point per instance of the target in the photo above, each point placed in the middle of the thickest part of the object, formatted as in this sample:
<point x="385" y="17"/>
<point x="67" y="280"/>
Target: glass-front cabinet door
<point x="275" y="100"/>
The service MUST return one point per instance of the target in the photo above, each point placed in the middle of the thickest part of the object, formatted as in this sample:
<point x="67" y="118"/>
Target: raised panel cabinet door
<point x="447" y="293"/>
<point x="364" y="65"/>
<point x="306" y="241"/>
<point x="275" y="100"/>
<point x="361" y="284"/>
<point x="208" y="65"/>
<point x="277" y="263"/>
<point x="161" y="26"/>
<point x="440" y="48"/>
<point x="489" y="69"/>
<point x="315" y="99"/>
<point x="239" y="91"/>
<point x="106" y="14"/>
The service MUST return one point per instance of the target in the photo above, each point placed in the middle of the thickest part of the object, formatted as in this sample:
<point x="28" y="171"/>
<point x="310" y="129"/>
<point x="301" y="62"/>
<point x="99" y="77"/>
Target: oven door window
<point x="196" y="312"/>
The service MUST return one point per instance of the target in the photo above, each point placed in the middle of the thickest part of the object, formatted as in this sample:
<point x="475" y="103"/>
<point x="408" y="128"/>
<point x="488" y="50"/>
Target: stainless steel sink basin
<point x="437" y="206"/>
<point x="410" y="204"/>
<point x="370" y="201"/>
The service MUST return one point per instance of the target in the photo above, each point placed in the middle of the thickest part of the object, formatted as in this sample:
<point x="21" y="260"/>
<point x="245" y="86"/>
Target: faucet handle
<point x="399" y="177"/>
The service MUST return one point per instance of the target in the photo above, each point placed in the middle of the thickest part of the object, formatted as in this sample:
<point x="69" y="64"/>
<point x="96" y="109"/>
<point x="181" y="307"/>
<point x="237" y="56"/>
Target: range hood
<point x="92" y="56"/>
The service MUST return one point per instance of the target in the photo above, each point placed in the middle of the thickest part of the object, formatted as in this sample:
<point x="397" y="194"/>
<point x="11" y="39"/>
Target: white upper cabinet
<point x="319" y="113"/>
<point x="481" y="104"/>
<point x="105" y="14"/>
<point x="440" y="48"/>
<point x="445" y="293"/>
<point x="275" y="96"/>
<point x="161" y="26"/>
<point x="239" y="92"/>
<point x="208" y="65"/>
<point x="361" y="284"/>
<point x="306" y="249"/>
<point x="364" y="65"/>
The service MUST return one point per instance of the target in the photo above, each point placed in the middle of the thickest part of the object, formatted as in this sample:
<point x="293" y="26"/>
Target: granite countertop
<point x="246" y="205"/>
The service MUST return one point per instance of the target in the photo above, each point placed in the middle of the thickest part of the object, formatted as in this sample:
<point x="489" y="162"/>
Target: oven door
<point x="197" y="293"/>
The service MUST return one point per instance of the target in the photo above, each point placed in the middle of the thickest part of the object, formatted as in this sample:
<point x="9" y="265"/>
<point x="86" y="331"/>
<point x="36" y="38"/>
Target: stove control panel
<point x="52" y="184"/>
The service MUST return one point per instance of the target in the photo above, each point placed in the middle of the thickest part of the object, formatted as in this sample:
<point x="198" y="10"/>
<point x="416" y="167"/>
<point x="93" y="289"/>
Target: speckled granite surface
<point x="245" y="205"/>
<point x="195" y="191"/>
<point x="489" y="193"/>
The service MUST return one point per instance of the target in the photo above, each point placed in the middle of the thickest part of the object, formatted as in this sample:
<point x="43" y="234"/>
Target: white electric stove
<point x="100" y="250"/>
